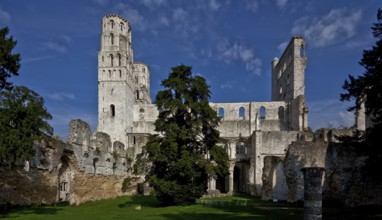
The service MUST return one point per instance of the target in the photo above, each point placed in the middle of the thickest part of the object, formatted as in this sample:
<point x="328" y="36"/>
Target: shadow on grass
<point x="147" y="201"/>
<point x="12" y="212"/>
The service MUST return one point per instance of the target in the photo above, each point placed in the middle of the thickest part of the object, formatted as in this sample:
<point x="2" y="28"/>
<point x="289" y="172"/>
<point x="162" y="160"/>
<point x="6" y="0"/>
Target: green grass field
<point x="221" y="209"/>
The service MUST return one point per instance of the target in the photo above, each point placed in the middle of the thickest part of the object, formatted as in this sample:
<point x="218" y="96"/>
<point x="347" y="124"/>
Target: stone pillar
<point x="212" y="183"/>
<point x="230" y="182"/>
<point x="312" y="193"/>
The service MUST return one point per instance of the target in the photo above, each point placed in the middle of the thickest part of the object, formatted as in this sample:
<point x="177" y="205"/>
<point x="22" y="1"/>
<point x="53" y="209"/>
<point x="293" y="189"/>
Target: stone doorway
<point x="65" y="177"/>
<point x="222" y="184"/>
<point x="240" y="177"/>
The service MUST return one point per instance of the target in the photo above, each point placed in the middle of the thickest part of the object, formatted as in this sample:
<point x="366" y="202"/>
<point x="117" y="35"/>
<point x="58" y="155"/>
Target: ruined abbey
<point x="268" y="142"/>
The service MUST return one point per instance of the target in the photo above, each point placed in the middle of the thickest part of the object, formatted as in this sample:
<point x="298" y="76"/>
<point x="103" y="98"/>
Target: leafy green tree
<point x="23" y="120"/>
<point x="23" y="117"/>
<point x="185" y="152"/>
<point x="367" y="89"/>
<point x="9" y="63"/>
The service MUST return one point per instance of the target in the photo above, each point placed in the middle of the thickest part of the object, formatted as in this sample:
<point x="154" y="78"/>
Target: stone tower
<point x="116" y="86"/>
<point x="288" y="72"/>
<point x="288" y="76"/>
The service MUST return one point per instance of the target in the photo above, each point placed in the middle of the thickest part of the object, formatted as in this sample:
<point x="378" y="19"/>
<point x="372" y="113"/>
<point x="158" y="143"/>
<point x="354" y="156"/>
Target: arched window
<point x="143" y="69"/>
<point x="119" y="60"/>
<point x="241" y="148"/>
<point x="136" y="79"/>
<point x="262" y="112"/>
<point x="221" y="112"/>
<point x="103" y="59"/>
<point x="137" y="94"/>
<point x="112" y="110"/>
<point x="112" y="38"/>
<point x="242" y="113"/>
<point x="141" y="110"/>
<point x="122" y="26"/>
<point x="134" y="140"/>
<point x="109" y="74"/>
<point x="120" y="73"/>
<point x="112" y="24"/>
<point x="111" y="59"/>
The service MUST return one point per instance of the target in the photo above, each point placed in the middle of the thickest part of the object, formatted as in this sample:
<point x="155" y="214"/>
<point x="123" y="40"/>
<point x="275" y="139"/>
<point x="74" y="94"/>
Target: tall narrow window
<point x="221" y="112"/>
<point x="112" y="110"/>
<point x="302" y="54"/>
<point x="121" y="26"/>
<point x="242" y="113"/>
<point x="111" y="59"/>
<point x="262" y="112"/>
<point x="119" y="60"/>
<point x="144" y="69"/>
<point x="112" y="24"/>
<point x="137" y="94"/>
<point x="112" y="38"/>
<point x="120" y="73"/>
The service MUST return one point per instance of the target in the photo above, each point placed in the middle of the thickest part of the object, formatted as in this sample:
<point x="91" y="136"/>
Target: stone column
<point x="312" y="193"/>
<point x="212" y="183"/>
<point x="230" y="182"/>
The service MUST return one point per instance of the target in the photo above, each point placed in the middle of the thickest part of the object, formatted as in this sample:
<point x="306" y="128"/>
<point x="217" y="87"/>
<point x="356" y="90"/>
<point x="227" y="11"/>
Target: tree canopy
<point x="184" y="152"/>
<point x="23" y="117"/>
<point x="9" y="63"/>
<point x="367" y="89"/>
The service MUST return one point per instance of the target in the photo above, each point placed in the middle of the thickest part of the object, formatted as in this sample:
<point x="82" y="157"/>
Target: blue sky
<point x="229" y="42"/>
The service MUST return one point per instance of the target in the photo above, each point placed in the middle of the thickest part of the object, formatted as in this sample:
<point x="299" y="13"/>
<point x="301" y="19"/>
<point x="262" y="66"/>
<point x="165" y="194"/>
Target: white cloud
<point x="60" y="96"/>
<point x="237" y="51"/>
<point x="214" y="5"/>
<point x="254" y="66"/>
<point x="132" y="15"/>
<point x="337" y="25"/>
<point x="33" y="59"/>
<point x="54" y="46"/>
<point x="281" y="47"/>
<point x="179" y="14"/>
<point x="163" y="20"/>
<point x="329" y="113"/>
<point x="66" y="38"/>
<point x="281" y="3"/>
<point x="252" y="5"/>
<point x="5" y="17"/>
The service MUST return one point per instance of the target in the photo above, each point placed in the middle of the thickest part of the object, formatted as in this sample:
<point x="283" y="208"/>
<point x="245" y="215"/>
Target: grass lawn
<point x="221" y="209"/>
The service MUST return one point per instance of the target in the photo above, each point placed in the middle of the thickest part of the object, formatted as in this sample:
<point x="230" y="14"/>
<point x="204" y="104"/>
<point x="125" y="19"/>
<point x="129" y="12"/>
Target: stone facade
<point x="250" y="130"/>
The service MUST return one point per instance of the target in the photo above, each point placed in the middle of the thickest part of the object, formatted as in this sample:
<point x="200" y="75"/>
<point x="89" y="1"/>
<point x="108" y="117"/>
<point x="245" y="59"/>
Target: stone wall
<point x="344" y="180"/>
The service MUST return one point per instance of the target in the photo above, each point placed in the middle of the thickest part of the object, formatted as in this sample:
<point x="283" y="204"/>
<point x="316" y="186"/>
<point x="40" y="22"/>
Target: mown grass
<point x="220" y="209"/>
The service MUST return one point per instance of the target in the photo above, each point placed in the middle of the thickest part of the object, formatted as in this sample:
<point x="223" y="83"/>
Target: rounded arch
<point x="242" y="112"/>
<point x="221" y="112"/>
<point x="112" y="110"/>
<point x="262" y="112"/>
<point x="112" y="24"/>
<point x="112" y="39"/>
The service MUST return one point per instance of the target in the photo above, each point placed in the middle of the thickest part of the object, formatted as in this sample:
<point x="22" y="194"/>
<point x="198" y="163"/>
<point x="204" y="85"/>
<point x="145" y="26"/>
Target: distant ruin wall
<point x="344" y="180"/>
<point x="19" y="187"/>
